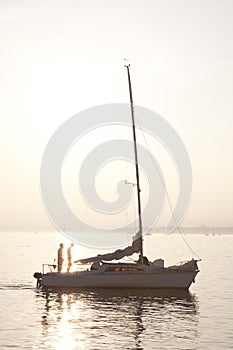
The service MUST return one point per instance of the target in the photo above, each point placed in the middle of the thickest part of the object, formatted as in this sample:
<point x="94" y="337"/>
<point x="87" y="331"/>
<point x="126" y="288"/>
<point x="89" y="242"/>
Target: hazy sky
<point x="59" y="57"/>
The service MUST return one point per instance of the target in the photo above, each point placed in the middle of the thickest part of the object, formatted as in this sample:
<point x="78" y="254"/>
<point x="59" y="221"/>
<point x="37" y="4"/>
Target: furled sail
<point x="118" y="254"/>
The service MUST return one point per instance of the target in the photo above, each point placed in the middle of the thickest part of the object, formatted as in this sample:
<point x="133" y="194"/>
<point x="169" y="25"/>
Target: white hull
<point x="164" y="278"/>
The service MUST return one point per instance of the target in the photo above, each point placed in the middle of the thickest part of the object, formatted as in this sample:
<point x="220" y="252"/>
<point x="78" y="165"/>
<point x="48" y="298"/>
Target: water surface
<point x="116" y="319"/>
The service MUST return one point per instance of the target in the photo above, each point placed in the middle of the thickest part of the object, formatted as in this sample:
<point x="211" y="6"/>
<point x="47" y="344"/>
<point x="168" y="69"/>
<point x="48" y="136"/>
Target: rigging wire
<point x="90" y="196"/>
<point x="180" y="229"/>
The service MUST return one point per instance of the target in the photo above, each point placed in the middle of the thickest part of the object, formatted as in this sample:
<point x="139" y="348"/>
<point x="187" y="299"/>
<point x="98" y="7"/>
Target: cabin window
<point x="122" y="268"/>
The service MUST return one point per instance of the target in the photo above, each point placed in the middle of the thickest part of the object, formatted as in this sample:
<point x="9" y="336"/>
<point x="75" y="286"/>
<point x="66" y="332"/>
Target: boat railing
<point x="50" y="267"/>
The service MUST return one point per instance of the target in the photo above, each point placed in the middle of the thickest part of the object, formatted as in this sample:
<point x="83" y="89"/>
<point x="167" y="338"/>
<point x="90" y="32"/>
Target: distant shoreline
<point x="207" y="230"/>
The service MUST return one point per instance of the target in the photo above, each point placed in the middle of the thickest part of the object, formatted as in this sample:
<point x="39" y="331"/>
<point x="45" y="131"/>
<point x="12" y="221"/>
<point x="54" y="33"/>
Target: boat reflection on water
<point x="128" y="319"/>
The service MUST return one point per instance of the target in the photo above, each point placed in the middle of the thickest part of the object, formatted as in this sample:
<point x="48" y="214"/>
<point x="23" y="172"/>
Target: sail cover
<point x="118" y="254"/>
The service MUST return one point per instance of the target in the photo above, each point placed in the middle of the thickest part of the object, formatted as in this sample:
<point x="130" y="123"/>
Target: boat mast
<point x="136" y="163"/>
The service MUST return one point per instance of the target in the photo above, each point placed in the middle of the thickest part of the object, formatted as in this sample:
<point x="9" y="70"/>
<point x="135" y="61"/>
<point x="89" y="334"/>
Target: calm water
<point x="199" y="319"/>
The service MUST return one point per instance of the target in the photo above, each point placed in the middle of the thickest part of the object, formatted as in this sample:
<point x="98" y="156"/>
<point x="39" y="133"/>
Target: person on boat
<point x="95" y="266"/>
<point x="69" y="257"/>
<point x="60" y="257"/>
<point x="143" y="260"/>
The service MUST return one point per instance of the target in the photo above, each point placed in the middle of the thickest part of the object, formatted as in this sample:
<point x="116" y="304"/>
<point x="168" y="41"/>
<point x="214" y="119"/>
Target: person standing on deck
<point x="60" y="258"/>
<point x="69" y="257"/>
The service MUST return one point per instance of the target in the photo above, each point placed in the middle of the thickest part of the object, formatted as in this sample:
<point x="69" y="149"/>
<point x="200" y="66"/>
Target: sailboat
<point x="105" y="272"/>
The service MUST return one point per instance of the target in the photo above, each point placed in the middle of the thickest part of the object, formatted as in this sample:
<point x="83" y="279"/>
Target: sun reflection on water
<point x="64" y="332"/>
<point x="60" y="321"/>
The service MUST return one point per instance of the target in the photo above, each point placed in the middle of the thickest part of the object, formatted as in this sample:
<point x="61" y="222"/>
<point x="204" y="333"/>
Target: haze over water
<point x="61" y="57"/>
<point x="115" y="319"/>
